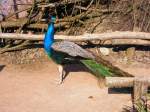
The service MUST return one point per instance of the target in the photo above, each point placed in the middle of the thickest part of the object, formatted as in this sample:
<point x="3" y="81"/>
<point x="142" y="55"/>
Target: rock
<point x="105" y="51"/>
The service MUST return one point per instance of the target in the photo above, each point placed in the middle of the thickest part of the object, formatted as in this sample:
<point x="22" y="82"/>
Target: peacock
<point x="63" y="52"/>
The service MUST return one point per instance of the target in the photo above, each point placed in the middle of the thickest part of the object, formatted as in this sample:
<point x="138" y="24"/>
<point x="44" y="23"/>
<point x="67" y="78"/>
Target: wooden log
<point x="85" y="37"/>
<point x="117" y="35"/>
<point x="119" y="82"/>
<point x="139" y="84"/>
<point x="21" y="36"/>
<point x="127" y="41"/>
<point x="16" y="24"/>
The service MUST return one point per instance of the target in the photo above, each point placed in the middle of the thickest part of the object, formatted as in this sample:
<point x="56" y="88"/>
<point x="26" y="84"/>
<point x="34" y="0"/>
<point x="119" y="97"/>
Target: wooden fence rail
<point x="140" y="85"/>
<point x="84" y="37"/>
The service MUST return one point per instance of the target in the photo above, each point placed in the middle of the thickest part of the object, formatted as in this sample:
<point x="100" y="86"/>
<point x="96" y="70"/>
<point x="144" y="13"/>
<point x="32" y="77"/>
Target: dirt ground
<point x="28" y="83"/>
<point x="33" y="88"/>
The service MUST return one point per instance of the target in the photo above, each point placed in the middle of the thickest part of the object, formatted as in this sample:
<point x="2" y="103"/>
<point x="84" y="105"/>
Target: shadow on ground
<point x="1" y="67"/>
<point x="75" y="68"/>
<point x="123" y="90"/>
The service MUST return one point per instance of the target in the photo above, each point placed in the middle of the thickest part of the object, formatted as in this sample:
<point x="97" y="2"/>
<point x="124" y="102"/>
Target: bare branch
<point x="84" y="37"/>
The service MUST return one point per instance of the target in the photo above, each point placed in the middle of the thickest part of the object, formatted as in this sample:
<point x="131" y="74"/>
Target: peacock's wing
<point x="72" y="49"/>
<point x="58" y="57"/>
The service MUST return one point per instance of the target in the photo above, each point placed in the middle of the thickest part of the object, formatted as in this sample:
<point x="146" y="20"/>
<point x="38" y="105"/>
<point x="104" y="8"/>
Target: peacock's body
<point x="58" y="51"/>
<point x="57" y="57"/>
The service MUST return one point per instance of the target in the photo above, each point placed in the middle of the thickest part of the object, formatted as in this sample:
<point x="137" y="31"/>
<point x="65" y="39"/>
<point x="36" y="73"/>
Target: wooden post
<point x="140" y="85"/>
<point x="140" y="88"/>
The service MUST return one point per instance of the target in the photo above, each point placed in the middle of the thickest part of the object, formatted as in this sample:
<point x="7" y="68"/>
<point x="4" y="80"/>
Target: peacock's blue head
<point x="49" y="36"/>
<point x="53" y="19"/>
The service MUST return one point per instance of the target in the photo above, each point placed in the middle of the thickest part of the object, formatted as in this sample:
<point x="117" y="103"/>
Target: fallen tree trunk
<point x="84" y="37"/>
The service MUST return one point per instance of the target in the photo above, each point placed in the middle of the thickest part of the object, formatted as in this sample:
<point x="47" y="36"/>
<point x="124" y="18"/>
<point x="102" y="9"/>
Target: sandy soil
<point x="33" y="88"/>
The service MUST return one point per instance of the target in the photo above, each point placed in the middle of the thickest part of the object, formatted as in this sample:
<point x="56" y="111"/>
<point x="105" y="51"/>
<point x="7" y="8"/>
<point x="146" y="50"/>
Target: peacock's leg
<point x="61" y="74"/>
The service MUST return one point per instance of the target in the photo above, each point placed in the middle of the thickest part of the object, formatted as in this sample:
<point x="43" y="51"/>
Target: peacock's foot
<point x="58" y="82"/>
<point x="61" y="74"/>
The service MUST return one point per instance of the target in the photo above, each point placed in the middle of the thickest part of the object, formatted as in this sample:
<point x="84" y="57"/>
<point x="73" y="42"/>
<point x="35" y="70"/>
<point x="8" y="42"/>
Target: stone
<point x="105" y="51"/>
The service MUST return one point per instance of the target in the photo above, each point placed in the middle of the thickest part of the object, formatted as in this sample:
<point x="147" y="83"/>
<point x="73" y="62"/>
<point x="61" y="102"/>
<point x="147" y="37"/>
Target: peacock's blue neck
<point x="49" y="39"/>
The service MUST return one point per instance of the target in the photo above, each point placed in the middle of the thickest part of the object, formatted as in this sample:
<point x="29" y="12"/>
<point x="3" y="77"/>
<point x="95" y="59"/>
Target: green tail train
<point x="98" y="70"/>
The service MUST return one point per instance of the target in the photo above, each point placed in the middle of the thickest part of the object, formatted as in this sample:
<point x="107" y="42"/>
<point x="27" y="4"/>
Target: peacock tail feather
<point x="98" y="70"/>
